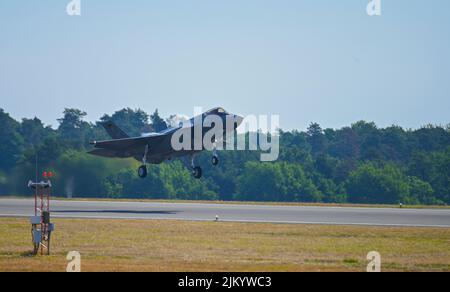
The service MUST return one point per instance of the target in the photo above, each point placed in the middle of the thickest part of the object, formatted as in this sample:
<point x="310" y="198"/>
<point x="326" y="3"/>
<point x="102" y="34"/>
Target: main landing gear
<point x="196" y="170"/>
<point x="142" y="170"/>
<point x="215" y="157"/>
<point x="215" y="160"/>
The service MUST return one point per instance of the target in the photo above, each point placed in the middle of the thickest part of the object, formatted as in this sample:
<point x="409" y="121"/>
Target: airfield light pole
<point x="41" y="227"/>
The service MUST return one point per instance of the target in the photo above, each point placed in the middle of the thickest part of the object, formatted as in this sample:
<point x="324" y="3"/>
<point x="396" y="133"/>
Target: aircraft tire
<point x="197" y="172"/>
<point x="142" y="171"/>
<point x="215" y="160"/>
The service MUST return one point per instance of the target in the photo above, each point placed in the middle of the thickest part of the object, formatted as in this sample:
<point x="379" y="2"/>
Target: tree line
<point x="361" y="163"/>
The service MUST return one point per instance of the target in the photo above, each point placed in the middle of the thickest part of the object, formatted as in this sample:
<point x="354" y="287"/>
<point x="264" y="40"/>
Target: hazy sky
<point x="312" y="60"/>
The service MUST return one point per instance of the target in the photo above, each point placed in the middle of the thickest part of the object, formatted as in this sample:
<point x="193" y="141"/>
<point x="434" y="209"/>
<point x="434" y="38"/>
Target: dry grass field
<point x="133" y="245"/>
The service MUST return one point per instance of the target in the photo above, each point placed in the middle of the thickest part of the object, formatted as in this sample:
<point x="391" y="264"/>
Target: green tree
<point x="158" y="123"/>
<point x="420" y="192"/>
<point x="361" y="163"/>
<point x="434" y="168"/>
<point x="431" y="138"/>
<point x="11" y="142"/>
<point x="34" y="132"/>
<point x="370" y="184"/>
<point x="133" y="122"/>
<point x="394" y="144"/>
<point x="164" y="181"/>
<point x="345" y="144"/>
<point x="3" y="184"/>
<point x="275" y="182"/>
<point x="325" y="165"/>
<point x="81" y="174"/>
<point x="316" y="138"/>
<point x="73" y="129"/>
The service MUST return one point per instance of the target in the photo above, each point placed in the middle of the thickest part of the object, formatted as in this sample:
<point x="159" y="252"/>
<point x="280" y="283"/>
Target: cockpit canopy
<point x="217" y="110"/>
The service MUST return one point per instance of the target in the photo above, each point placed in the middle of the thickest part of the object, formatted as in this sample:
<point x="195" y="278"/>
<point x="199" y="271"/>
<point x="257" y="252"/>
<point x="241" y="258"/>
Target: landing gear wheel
<point x="142" y="171"/>
<point x="197" y="172"/>
<point x="215" y="160"/>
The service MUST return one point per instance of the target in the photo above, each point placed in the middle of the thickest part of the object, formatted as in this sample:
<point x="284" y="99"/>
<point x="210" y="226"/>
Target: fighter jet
<point x="155" y="148"/>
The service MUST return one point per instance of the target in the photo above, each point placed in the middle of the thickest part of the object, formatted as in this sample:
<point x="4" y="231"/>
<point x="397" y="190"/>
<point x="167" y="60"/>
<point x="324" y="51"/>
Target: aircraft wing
<point x="127" y="143"/>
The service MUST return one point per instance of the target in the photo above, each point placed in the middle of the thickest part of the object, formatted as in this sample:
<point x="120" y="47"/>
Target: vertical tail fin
<point x="114" y="131"/>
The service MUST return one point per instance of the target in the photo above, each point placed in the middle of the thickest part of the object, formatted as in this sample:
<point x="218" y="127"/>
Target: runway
<point x="233" y="213"/>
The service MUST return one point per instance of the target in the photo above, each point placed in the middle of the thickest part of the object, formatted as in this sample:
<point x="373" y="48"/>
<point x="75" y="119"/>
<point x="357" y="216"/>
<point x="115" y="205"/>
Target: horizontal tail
<point x="114" y="131"/>
<point x="108" y="153"/>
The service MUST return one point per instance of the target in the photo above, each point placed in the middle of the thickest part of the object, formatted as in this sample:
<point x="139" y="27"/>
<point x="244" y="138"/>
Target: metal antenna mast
<point x="41" y="227"/>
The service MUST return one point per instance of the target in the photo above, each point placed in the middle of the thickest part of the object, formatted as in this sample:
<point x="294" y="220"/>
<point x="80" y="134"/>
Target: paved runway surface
<point x="239" y="213"/>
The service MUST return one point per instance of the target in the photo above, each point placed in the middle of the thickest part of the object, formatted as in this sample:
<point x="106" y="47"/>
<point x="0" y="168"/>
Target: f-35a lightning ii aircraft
<point x="154" y="148"/>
